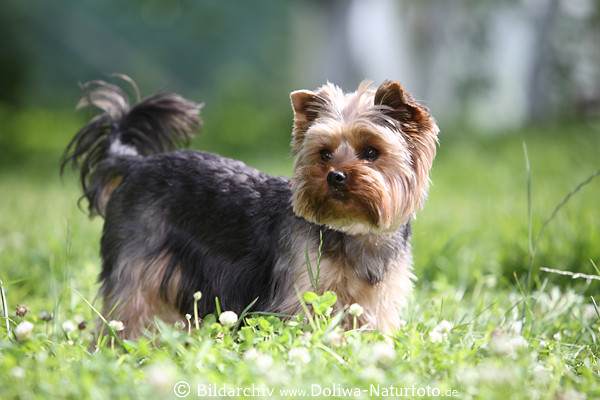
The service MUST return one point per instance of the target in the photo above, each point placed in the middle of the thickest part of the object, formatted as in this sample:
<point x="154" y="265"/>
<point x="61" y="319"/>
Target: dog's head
<point x="362" y="158"/>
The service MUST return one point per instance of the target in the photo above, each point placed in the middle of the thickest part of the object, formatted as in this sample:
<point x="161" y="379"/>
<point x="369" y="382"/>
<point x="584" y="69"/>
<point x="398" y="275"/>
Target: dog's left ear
<point x="402" y="106"/>
<point x="415" y="119"/>
<point x="416" y="123"/>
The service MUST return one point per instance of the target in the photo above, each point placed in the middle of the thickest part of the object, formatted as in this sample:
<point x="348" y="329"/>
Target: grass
<point x="473" y="328"/>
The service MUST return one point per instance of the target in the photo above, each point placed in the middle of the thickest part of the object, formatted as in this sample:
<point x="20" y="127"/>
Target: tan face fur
<point x="363" y="158"/>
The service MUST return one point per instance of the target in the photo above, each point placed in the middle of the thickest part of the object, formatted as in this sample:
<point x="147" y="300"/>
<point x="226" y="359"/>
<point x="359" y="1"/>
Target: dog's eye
<point x="325" y="155"/>
<point x="369" y="153"/>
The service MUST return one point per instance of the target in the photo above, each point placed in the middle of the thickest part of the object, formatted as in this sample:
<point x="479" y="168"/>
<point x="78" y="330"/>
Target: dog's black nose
<point x="336" y="179"/>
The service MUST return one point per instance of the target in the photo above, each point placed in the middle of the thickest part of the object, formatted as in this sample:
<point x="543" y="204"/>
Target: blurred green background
<point x="495" y="74"/>
<point x="483" y="66"/>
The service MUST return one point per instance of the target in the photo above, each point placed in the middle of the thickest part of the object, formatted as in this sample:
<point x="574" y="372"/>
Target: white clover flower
<point x="441" y="331"/>
<point x="263" y="362"/>
<point x="306" y="338"/>
<point x="519" y="342"/>
<point x="502" y="344"/>
<point x="573" y="394"/>
<point x="402" y="324"/>
<point x="18" y="372"/>
<point x="198" y="295"/>
<point x="515" y="327"/>
<point x="372" y="374"/>
<point x="160" y="377"/>
<point x="23" y="330"/>
<point x="251" y="355"/>
<point x="541" y="373"/>
<point x="492" y="374"/>
<point x="179" y="325"/>
<point x="384" y="353"/>
<point x="444" y="327"/>
<point x="228" y="318"/>
<point x="116" y="326"/>
<point x="68" y="326"/>
<point x="557" y="337"/>
<point x="356" y="310"/>
<point x="299" y="355"/>
<point x="435" y="336"/>
<point x="468" y="376"/>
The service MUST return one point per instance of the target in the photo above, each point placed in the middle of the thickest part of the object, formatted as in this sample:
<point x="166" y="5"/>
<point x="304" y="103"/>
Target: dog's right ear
<point x="305" y="105"/>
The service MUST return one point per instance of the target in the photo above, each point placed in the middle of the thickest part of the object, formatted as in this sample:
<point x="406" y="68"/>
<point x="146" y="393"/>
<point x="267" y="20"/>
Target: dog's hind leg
<point x="132" y="295"/>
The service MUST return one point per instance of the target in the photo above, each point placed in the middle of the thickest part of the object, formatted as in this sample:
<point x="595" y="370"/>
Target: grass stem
<point x="534" y="245"/>
<point x="5" y="309"/>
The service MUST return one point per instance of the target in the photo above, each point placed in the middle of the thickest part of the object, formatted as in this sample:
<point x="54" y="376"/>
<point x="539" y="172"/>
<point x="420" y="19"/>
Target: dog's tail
<point x="124" y="133"/>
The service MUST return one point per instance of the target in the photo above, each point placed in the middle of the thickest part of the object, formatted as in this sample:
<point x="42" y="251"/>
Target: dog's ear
<point x="415" y="122"/>
<point x="301" y="99"/>
<point x="305" y="104"/>
<point x="415" y="119"/>
<point x="402" y="106"/>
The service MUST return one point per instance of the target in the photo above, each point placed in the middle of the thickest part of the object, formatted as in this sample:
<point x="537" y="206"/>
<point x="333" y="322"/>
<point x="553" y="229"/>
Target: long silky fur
<point x="182" y="221"/>
<point x="159" y="123"/>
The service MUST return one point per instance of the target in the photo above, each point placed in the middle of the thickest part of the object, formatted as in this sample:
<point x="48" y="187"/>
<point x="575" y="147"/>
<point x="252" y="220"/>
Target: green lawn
<point x="471" y="245"/>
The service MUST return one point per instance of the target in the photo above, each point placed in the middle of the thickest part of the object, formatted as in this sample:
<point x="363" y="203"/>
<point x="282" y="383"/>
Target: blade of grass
<point x="311" y="321"/>
<point x="110" y="313"/>
<point x="331" y="353"/>
<point x="561" y="204"/>
<point x="533" y="247"/>
<point x="595" y="307"/>
<point x="319" y="261"/>
<point x="595" y="267"/>
<point x="110" y="329"/>
<point x="5" y="310"/>
<point x="279" y="315"/>
<point x="529" y="215"/>
<point x="241" y="317"/>
<point x="529" y="218"/>
<point x="335" y="321"/>
<point x="308" y="265"/>
<point x="217" y="307"/>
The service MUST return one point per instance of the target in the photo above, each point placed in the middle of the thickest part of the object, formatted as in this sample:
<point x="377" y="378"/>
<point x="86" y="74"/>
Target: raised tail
<point x="156" y="124"/>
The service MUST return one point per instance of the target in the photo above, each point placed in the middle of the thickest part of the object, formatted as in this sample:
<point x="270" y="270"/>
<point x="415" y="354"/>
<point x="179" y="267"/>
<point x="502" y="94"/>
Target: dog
<point x="181" y="221"/>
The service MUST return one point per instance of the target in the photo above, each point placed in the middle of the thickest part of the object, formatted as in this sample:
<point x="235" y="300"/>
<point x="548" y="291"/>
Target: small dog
<point x="177" y="222"/>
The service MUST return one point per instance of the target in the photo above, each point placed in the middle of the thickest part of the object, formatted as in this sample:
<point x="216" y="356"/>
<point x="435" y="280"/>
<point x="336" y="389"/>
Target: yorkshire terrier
<point x="177" y="221"/>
